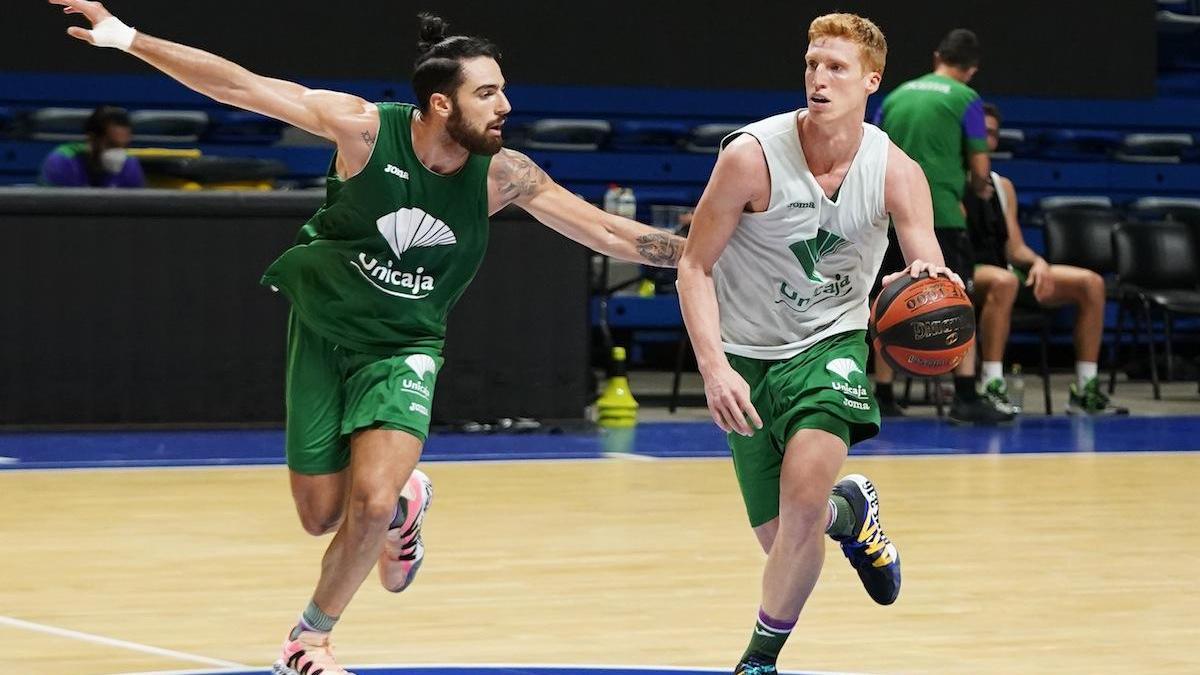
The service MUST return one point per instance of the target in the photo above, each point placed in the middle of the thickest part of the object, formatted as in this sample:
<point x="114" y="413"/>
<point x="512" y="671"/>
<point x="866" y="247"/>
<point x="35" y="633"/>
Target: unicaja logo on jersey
<point x="421" y="364"/>
<point x="810" y="252"/>
<point x="404" y="230"/>
<point x="843" y="368"/>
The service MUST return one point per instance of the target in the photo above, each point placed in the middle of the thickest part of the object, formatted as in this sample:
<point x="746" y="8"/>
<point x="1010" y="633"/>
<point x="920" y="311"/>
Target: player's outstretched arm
<point x="739" y="179"/>
<point x="513" y="178"/>
<point x="345" y="119"/>
<point x="906" y="197"/>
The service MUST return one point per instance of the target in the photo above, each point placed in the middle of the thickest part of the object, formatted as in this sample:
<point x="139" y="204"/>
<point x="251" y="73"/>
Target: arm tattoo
<point x="660" y="249"/>
<point x="517" y="176"/>
<point x="368" y="138"/>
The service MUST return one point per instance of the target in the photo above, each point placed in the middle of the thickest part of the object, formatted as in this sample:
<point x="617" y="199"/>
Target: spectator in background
<point x="938" y="121"/>
<point x="101" y="161"/>
<point x="1008" y="271"/>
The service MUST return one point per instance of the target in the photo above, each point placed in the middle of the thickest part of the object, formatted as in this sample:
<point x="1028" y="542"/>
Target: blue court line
<point x="1033" y="434"/>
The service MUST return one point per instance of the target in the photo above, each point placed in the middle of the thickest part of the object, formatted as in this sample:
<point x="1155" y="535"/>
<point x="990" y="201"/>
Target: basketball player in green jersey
<point x="371" y="280"/>
<point x="785" y="245"/>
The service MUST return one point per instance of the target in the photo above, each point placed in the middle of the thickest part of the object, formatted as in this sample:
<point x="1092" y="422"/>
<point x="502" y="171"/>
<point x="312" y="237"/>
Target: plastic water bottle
<point x="1016" y="388"/>
<point x="627" y="204"/>
<point x="611" y="196"/>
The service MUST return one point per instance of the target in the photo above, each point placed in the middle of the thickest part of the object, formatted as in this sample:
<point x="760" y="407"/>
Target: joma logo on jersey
<point x="802" y="205"/>
<point x="396" y="171"/>
<point x="810" y="252"/>
<point x="839" y="286"/>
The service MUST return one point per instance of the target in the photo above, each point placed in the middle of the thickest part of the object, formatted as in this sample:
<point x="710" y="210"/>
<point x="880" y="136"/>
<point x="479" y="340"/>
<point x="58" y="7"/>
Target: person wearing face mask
<point x="101" y="160"/>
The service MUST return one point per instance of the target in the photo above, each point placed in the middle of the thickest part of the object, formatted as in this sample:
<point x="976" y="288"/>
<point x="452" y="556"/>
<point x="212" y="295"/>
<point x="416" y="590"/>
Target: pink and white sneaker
<point x="403" y="550"/>
<point x="311" y="653"/>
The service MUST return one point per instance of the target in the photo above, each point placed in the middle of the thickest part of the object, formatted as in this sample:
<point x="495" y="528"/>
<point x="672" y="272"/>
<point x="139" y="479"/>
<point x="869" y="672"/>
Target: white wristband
<point x="112" y="32"/>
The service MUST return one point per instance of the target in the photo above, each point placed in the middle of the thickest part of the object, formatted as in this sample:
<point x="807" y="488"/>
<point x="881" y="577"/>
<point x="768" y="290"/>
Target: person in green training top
<point x="371" y="280"/>
<point x="938" y="121"/>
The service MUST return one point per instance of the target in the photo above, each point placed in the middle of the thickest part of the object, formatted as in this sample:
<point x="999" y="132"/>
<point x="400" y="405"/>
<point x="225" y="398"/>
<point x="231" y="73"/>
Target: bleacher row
<point x="660" y="142"/>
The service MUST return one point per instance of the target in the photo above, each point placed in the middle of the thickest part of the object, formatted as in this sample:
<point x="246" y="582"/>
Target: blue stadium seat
<point x="1078" y="145"/>
<point x="168" y="126"/>
<point x="1012" y="143"/>
<point x="57" y="124"/>
<point x="708" y="137"/>
<point x="641" y="135"/>
<point x="1154" y="148"/>
<point x="568" y="134"/>
<point x="236" y="126"/>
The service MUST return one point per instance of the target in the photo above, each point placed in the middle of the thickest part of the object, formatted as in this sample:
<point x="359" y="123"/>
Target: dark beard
<point x="474" y="142"/>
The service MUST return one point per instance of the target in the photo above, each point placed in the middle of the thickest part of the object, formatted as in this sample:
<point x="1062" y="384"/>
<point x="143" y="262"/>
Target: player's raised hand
<point x="107" y="30"/>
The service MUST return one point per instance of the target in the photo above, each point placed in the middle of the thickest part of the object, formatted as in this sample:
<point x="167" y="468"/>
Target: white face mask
<point x="113" y="160"/>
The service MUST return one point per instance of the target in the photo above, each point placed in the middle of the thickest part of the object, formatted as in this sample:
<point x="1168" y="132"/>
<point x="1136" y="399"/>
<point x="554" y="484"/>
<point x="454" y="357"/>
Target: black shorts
<point x="957" y="251"/>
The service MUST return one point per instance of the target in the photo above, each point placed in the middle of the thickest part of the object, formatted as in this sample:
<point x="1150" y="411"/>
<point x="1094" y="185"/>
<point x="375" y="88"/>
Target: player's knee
<point x="802" y="507"/>
<point x="318" y="524"/>
<point x="1004" y="288"/>
<point x="1093" y="289"/>
<point x="372" y="509"/>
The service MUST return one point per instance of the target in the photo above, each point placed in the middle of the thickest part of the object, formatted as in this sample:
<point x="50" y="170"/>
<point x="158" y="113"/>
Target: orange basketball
<point x="923" y="326"/>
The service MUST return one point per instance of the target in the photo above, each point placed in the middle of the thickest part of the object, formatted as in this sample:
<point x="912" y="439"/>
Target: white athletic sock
<point x="1085" y="371"/>
<point x="832" y="515"/>
<point x="992" y="370"/>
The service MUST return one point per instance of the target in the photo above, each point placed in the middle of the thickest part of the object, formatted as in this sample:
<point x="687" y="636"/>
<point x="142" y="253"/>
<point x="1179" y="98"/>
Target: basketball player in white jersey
<point x="784" y="247"/>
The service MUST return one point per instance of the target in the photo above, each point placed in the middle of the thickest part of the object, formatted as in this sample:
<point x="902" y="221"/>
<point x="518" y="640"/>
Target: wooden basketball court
<point x="1071" y="563"/>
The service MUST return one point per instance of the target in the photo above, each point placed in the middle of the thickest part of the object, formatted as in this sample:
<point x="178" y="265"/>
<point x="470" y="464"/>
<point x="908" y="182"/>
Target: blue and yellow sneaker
<point x="867" y="548"/>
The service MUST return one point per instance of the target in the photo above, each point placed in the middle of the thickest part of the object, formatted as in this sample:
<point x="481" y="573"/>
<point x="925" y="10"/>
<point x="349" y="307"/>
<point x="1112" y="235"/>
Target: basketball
<point x="923" y="326"/>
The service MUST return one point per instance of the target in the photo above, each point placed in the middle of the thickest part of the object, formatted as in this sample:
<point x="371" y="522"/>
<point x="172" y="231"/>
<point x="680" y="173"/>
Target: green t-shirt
<point x="938" y="121"/>
<point x="379" y="266"/>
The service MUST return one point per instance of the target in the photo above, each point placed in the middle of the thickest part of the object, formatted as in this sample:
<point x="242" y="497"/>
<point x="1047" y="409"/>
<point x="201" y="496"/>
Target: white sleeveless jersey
<point x="801" y="271"/>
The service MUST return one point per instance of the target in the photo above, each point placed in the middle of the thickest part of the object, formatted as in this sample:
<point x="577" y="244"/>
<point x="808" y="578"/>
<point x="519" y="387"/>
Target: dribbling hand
<point x="918" y="266"/>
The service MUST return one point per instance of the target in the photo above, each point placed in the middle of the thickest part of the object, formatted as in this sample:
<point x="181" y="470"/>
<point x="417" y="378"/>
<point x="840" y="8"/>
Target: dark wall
<point x="123" y="308"/>
<point x="1065" y="48"/>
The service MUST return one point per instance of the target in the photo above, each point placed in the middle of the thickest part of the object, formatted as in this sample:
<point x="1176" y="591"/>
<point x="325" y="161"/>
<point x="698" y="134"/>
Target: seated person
<point x="1007" y="271"/>
<point x="101" y="161"/>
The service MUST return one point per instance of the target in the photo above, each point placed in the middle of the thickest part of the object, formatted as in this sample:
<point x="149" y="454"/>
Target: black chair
<point x="1083" y="236"/>
<point x="1153" y="209"/>
<point x="1157" y="268"/>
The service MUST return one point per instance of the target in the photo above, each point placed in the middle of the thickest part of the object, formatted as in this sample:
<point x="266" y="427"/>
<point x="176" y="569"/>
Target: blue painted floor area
<point x="653" y="439"/>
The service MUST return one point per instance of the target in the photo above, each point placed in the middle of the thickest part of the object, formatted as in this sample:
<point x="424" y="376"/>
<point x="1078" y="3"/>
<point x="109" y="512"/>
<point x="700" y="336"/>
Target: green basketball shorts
<point x="333" y="391"/>
<point x="825" y="387"/>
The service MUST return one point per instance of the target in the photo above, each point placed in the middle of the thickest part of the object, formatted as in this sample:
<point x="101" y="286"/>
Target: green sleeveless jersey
<point x="379" y="266"/>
